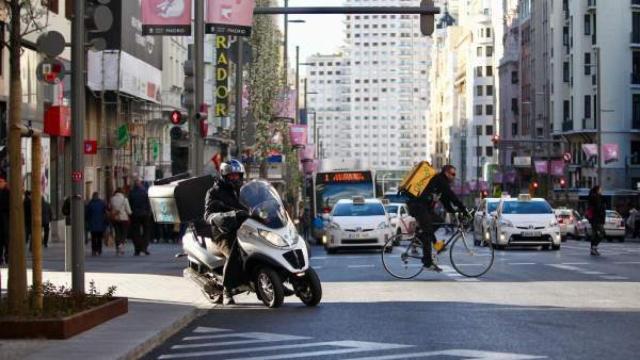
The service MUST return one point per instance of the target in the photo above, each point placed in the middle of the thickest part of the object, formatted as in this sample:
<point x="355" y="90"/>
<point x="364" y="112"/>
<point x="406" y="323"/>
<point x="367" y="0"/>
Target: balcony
<point x="567" y="125"/>
<point x="591" y="5"/>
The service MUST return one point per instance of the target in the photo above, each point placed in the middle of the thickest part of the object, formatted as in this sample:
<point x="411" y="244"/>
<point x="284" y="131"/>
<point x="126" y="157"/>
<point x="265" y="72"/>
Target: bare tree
<point x="26" y="17"/>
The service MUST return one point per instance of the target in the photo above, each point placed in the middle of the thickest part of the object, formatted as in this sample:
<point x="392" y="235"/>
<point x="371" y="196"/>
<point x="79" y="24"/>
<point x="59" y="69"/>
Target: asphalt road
<point x="532" y="304"/>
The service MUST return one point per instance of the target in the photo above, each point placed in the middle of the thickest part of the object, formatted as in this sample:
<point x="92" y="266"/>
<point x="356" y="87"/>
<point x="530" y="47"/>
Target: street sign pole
<point x="77" y="159"/>
<point x="239" y="61"/>
<point x="196" y="155"/>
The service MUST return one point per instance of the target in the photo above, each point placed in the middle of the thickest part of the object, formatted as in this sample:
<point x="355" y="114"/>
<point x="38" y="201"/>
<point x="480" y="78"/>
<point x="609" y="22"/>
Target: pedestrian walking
<point x="140" y="218"/>
<point x="596" y="214"/>
<point x="96" y="218"/>
<point x="27" y="217"/>
<point x="120" y="210"/>
<point x="305" y="223"/>
<point x="4" y="221"/>
<point x="47" y="215"/>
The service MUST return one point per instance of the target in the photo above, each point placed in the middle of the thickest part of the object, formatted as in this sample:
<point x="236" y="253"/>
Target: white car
<point x="482" y="219"/>
<point x="567" y="220"/>
<point x="614" y="226"/>
<point x="357" y="223"/>
<point x="401" y="221"/>
<point x="525" y="221"/>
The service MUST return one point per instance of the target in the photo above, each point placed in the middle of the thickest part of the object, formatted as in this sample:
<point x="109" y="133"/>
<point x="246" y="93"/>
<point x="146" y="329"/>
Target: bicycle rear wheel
<point x="402" y="256"/>
<point x="468" y="259"/>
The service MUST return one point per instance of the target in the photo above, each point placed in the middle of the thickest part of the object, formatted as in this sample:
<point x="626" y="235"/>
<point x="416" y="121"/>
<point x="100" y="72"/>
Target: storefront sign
<point x="166" y="17"/>
<point x="222" y="76"/>
<point x="229" y="17"/>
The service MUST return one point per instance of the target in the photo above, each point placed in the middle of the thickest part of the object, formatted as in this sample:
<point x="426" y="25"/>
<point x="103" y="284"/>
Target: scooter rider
<point x="422" y="209"/>
<point x="225" y="214"/>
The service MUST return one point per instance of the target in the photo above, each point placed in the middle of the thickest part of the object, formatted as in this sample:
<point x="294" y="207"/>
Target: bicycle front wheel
<point x="468" y="259"/>
<point x="402" y="256"/>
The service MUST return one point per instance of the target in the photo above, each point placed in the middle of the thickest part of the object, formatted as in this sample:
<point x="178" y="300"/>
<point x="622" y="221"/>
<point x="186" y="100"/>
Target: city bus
<point x="331" y="186"/>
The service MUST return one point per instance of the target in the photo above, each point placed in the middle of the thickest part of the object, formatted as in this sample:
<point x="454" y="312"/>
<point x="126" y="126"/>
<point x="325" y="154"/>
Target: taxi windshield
<point x="526" y="207"/>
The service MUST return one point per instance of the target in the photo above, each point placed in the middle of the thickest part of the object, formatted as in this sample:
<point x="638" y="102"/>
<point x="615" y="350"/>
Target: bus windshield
<point x="333" y="186"/>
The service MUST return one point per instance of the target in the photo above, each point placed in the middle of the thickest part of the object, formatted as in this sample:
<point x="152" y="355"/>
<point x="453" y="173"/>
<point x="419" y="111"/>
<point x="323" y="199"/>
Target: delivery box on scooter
<point x="417" y="179"/>
<point x="179" y="199"/>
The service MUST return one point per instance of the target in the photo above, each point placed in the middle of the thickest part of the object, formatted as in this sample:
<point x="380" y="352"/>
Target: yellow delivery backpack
<point x="417" y="179"/>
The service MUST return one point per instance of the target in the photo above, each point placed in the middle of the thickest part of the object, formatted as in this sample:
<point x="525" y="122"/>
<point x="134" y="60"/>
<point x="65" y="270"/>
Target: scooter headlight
<point x="273" y="238"/>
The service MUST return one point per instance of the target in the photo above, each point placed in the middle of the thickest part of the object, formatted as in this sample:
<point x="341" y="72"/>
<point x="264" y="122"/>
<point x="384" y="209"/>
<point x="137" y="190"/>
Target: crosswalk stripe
<point x="351" y="347"/>
<point x="360" y="266"/>
<point x="614" y="277"/>
<point x="467" y="354"/>
<point x="208" y="330"/>
<point x="251" y="338"/>
<point x="247" y="335"/>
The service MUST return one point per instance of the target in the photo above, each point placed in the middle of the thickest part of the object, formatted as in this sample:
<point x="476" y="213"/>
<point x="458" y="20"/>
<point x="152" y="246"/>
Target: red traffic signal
<point x="495" y="140"/>
<point x="176" y="118"/>
<point x="563" y="182"/>
<point x="535" y="185"/>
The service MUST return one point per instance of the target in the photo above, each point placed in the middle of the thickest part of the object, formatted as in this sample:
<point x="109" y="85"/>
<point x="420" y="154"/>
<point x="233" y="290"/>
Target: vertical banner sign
<point x="611" y="153"/>
<point x="541" y="166"/>
<point x="557" y="167"/>
<point x="590" y="150"/>
<point x="166" y="17"/>
<point x="229" y="17"/>
<point x="222" y="76"/>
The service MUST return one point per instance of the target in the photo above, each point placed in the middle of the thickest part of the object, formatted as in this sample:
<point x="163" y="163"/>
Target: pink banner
<point x="285" y="106"/>
<point x="557" y="167"/>
<point x="309" y="167"/>
<point x="542" y="166"/>
<point x="229" y="17"/>
<point x="298" y="134"/>
<point x="510" y="177"/>
<point x="590" y="150"/>
<point x="611" y="153"/>
<point x="166" y="17"/>
<point x="308" y="153"/>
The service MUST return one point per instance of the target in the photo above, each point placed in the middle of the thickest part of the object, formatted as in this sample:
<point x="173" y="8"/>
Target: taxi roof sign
<point x="385" y="202"/>
<point x="358" y="200"/>
<point x="524" y="197"/>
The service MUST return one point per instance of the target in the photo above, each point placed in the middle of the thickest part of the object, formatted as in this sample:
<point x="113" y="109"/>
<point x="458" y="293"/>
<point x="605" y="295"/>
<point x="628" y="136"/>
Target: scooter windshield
<point x="264" y="203"/>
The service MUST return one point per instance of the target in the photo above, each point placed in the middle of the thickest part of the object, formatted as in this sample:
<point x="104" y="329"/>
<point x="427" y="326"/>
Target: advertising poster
<point x="229" y="17"/>
<point x="166" y="17"/>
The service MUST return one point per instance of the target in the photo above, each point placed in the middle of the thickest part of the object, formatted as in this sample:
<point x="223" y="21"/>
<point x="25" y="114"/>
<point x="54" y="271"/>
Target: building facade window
<point x="478" y="110"/>
<point x="587" y="106"/>
<point x="635" y="123"/>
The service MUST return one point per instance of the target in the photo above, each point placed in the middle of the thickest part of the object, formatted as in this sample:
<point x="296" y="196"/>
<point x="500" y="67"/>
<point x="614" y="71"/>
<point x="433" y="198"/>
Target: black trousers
<point x="597" y="234"/>
<point x="96" y="241"/>
<point x="45" y="238"/>
<point x="141" y="232"/>
<point x="4" y="237"/>
<point x="425" y="217"/>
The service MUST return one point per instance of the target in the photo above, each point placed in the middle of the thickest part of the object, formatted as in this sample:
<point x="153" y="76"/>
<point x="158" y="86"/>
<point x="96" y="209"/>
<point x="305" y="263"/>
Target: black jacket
<point x="439" y="189"/>
<point x="221" y="206"/>
<point x="596" y="203"/>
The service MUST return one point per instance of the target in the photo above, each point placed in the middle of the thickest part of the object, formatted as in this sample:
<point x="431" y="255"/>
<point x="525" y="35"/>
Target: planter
<point x="63" y="328"/>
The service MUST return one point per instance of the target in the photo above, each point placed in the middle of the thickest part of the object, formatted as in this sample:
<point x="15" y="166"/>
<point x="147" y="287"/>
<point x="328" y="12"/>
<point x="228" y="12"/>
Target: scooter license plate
<point x="531" y="233"/>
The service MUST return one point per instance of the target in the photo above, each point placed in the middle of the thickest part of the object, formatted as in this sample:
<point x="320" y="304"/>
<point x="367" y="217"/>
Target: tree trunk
<point x="17" y="289"/>
<point x="36" y="220"/>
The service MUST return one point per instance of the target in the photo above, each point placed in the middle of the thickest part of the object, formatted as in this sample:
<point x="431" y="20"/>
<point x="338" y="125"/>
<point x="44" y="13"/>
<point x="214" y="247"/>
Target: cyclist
<point x="422" y="209"/>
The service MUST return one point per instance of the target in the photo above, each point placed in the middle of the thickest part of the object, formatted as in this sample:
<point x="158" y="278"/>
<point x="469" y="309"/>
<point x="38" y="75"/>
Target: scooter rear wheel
<point x="308" y="288"/>
<point x="269" y="287"/>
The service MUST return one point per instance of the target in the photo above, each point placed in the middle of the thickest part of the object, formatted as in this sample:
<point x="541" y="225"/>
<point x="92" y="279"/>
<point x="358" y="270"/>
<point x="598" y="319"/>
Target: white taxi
<point x="525" y="221"/>
<point x="357" y="222"/>
<point x="482" y="219"/>
<point x="401" y="221"/>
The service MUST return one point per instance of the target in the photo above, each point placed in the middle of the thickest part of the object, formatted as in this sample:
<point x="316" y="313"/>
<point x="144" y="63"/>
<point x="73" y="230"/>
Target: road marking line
<point x="523" y="263"/>
<point x="593" y="273"/>
<point x="351" y="347"/>
<point x="575" y="263"/>
<point x="246" y="335"/>
<point x="318" y="267"/>
<point x="627" y="262"/>
<point x="208" y="330"/>
<point x="360" y="266"/>
<point x="467" y="354"/>
<point x="319" y="258"/>
<point x="614" y="277"/>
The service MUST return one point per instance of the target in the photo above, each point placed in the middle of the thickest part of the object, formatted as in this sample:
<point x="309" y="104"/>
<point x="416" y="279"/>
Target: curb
<point x="162" y="336"/>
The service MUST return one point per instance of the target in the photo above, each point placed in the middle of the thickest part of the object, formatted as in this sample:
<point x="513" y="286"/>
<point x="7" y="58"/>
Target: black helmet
<point x="231" y="167"/>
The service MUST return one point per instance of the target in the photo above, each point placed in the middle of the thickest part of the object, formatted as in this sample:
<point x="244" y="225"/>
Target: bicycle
<point x="402" y="253"/>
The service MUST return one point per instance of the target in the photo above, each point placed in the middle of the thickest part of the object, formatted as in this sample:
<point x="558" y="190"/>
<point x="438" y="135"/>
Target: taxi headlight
<point x="383" y="225"/>
<point x="273" y="238"/>
<point x="506" y="223"/>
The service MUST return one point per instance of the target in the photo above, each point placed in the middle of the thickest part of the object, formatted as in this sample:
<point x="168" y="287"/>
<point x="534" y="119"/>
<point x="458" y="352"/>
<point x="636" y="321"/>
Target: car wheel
<point x="621" y="239"/>
<point x="609" y="239"/>
<point x="555" y="247"/>
<point x="331" y="251"/>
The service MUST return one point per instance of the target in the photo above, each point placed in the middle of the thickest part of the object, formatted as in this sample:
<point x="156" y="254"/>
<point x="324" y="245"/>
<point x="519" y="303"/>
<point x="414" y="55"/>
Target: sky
<point x="319" y="34"/>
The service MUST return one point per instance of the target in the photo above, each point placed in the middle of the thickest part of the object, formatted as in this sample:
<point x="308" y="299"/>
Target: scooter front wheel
<point x="308" y="288"/>
<point x="269" y="287"/>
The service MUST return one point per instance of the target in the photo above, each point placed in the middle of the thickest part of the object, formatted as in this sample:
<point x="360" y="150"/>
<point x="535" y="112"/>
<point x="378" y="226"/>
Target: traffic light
<point x="98" y="21"/>
<point x="484" y="194"/>
<point x="427" y="21"/>
<point x="189" y="85"/>
<point x="495" y="140"/>
<point x="177" y="118"/>
<point x="200" y="118"/>
<point x="533" y="187"/>
<point x="563" y="183"/>
<point x="176" y="133"/>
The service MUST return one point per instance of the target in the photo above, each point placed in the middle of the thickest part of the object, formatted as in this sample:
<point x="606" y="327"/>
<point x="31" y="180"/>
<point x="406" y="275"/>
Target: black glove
<point x="241" y="216"/>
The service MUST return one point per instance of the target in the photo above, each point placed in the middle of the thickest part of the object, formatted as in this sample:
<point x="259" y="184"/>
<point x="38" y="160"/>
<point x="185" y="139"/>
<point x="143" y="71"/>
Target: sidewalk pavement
<point x="161" y="302"/>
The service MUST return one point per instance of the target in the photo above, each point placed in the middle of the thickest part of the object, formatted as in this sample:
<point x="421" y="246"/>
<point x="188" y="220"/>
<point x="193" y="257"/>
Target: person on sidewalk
<point x="47" y="215"/>
<point x="96" y="218"/>
<point x="120" y="212"/>
<point x="141" y="218"/>
<point x="4" y="221"/>
<point x="596" y="214"/>
<point x="27" y="217"/>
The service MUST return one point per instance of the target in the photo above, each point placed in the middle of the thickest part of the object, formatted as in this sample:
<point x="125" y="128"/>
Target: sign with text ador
<point x="166" y="17"/>
<point x="222" y="76"/>
<point x="229" y="17"/>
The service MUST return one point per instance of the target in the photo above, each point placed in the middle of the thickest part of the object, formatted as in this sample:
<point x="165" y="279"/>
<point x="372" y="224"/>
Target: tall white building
<point x="383" y="91"/>
<point x="579" y="28"/>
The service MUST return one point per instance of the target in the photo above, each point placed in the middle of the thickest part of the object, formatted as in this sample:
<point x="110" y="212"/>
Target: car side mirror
<point x="325" y="217"/>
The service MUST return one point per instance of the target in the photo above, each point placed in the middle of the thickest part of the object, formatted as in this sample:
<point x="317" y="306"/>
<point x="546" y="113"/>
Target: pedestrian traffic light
<point x="426" y="20"/>
<point x="177" y="118"/>
<point x="189" y="84"/>
<point x="98" y="21"/>
<point x="176" y="133"/>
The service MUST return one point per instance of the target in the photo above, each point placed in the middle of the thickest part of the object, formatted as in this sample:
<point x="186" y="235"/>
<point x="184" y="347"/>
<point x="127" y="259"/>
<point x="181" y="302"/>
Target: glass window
<point x="526" y="207"/>
<point x="349" y="209"/>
